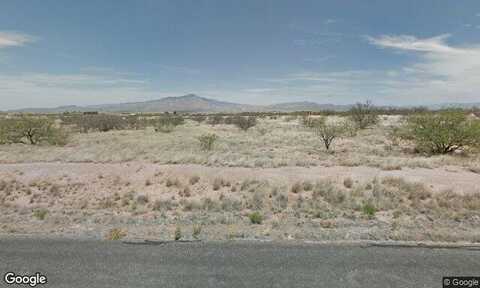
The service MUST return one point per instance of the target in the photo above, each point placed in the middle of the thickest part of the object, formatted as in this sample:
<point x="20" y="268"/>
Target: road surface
<point x="88" y="263"/>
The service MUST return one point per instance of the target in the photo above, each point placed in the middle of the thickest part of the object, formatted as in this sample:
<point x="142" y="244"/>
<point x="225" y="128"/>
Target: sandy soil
<point x="448" y="177"/>
<point x="88" y="200"/>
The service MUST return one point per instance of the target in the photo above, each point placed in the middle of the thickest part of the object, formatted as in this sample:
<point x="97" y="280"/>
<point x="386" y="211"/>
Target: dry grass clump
<point x="348" y="182"/>
<point x="329" y="192"/>
<point x="297" y="187"/>
<point x="163" y="205"/>
<point x="115" y="234"/>
<point x="40" y="213"/>
<point x="142" y="199"/>
<point x="209" y="204"/>
<point x="186" y="192"/>
<point x="194" y="179"/>
<point x="219" y="183"/>
<point x="255" y="217"/>
<point x="196" y="230"/>
<point x="173" y="182"/>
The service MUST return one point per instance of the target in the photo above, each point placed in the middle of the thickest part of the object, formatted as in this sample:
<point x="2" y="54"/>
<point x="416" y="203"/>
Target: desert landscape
<point x="323" y="176"/>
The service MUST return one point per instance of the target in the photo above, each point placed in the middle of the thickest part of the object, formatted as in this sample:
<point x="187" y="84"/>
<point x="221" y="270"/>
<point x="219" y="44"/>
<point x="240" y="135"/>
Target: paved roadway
<point x="73" y="263"/>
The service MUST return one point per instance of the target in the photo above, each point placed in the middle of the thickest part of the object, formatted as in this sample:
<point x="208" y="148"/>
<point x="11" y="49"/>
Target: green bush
<point x="215" y="119"/>
<point x="167" y="124"/>
<point x="363" y="115"/>
<point x="369" y="210"/>
<point x="311" y="122"/>
<point x="442" y="132"/>
<point x="31" y="130"/>
<point x="255" y="218"/>
<point x="328" y="131"/>
<point x="244" y="123"/>
<point x="115" y="234"/>
<point x="207" y="141"/>
<point x="97" y="122"/>
<point x="199" y="118"/>
<point x="40" y="214"/>
<point x="178" y="233"/>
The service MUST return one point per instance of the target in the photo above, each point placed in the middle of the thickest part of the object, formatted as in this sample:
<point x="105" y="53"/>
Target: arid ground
<point x="274" y="181"/>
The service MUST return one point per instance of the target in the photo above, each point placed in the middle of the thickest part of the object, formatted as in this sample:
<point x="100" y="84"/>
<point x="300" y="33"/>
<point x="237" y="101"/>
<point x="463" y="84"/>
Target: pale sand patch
<point x="136" y="173"/>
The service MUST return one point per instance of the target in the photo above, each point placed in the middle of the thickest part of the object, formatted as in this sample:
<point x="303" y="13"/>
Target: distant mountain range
<point x="194" y="103"/>
<point x="187" y="103"/>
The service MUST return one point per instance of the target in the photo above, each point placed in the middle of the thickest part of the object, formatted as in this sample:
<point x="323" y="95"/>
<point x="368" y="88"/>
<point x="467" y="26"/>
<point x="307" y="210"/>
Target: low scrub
<point x="31" y="130"/>
<point x="244" y="123"/>
<point x="167" y="124"/>
<point x="441" y="133"/>
<point x="207" y="141"/>
<point x="97" y="122"/>
<point x="255" y="218"/>
<point x="363" y="115"/>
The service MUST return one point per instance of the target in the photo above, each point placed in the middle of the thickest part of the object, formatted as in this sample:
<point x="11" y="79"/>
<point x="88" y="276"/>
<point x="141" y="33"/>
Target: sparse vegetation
<point x="167" y="123"/>
<point x="207" y="141"/>
<point x="255" y="217"/>
<point x="40" y="214"/>
<point x="244" y="123"/>
<point x="364" y="115"/>
<point x="328" y="132"/>
<point x="31" y="130"/>
<point x="115" y="234"/>
<point x="443" y="132"/>
<point x="178" y="233"/>
<point x="197" y="229"/>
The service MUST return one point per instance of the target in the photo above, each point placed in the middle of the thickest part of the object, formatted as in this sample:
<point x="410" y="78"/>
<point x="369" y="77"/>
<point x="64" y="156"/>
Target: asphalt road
<point x="69" y="263"/>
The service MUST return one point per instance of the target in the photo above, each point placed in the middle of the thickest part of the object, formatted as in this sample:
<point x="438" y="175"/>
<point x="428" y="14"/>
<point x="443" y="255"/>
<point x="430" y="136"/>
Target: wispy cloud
<point x="407" y="42"/>
<point x="14" y="39"/>
<point x="330" y="21"/>
<point x="47" y="89"/>
<point x="439" y="72"/>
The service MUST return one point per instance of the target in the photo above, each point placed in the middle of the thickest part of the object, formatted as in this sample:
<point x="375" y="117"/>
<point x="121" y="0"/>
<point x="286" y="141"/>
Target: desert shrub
<point x="164" y="205"/>
<point x="207" y="141"/>
<point x="255" y="217"/>
<point x="142" y="199"/>
<point x="31" y="130"/>
<point x="363" y="115"/>
<point x="442" y="132"/>
<point x="167" y="124"/>
<point x="197" y="229"/>
<point x="327" y="190"/>
<point x="115" y="234"/>
<point x="369" y="210"/>
<point x="100" y="122"/>
<point x="178" y="233"/>
<point x="135" y="122"/>
<point x="297" y="187"/>
<point x="328" y="132"/>
<point x="311" y="122"/>
<point x="199" y="118"/>
<point x="244" y="123"/>
<point x="194" y="179"/>
<point x="40" y="214"/>
<point x="209" y="204"/>
<point x="348" y="182"/>
<point x="215" y="119"/>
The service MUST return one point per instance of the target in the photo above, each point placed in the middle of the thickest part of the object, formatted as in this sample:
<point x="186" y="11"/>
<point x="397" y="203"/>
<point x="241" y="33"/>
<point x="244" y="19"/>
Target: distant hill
<point x="188" y="103"/>
<point x="194" y="103"/>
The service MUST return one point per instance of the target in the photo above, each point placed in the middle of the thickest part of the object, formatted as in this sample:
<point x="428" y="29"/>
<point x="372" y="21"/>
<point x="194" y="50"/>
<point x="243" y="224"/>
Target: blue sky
<point x="69" y="52"/>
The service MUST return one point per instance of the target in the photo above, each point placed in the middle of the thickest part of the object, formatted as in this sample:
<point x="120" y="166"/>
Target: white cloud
<point x="330" y="21"/>
<point x="439" y="73"/>
<point x="13" y="39"/>
<point x="407" y="42"/>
